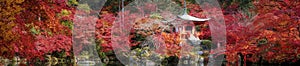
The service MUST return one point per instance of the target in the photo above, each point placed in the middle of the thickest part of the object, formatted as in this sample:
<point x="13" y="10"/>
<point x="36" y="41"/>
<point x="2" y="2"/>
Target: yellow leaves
<point x="106" y="24"/>
<point x="11" y="18"/>
<point x="9" y="1"/>
<point x="8" y="37"/>
<point x="9" y="10"/>
<point x="65" y="12"/>
<point x="7" y="34"/>
<point x="7" y="13"/>
<point x="5" y="26"/>
<point x="19" y="1"/>
<point x="17" y="8"/>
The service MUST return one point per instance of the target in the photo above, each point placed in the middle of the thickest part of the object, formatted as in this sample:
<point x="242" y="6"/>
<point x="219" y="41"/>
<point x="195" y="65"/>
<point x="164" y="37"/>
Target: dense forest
<point x="257" y="31"/>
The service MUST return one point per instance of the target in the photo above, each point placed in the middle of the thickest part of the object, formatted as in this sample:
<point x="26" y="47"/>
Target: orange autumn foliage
<point x="8" y="9"/>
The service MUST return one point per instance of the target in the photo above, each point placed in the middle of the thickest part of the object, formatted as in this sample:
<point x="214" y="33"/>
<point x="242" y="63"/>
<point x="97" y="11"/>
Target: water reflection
<point x="118" y="64"/>
<point x="48" y="64"/>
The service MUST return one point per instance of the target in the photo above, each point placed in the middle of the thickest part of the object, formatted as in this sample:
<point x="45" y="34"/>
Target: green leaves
<point x="68" y="24"/>
<point x="262" y="41"/>
<point x="34" y="31"/>
<point x="206" y="42"/>
<point x="156" y="15"/>
<point x="72" y="2"/>
<point x="198" y="28"/>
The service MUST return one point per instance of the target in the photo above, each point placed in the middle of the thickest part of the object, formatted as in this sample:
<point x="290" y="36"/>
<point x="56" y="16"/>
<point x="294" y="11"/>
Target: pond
<point x="119" y="64"/>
